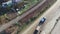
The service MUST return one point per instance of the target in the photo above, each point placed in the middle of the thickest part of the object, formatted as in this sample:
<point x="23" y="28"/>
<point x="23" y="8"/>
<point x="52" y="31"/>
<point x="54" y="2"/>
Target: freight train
<point x="11" y="5"/>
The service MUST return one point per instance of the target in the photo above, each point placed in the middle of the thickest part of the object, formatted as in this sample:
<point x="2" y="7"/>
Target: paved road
<point x="54" y="14"/>
<point x="56" y="30"/>
<point x="51" y="15"/>
<point x="47" y="28"/>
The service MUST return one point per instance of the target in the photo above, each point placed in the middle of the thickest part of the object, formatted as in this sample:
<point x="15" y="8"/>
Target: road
<point x="47" y="28"/>
<point x="54" y="13"/>
<point x="56" y="30"/>
<point x="51" y="14"/>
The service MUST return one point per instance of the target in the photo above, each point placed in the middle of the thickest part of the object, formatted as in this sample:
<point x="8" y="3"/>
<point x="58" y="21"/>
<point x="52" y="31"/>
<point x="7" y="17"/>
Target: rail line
<point x="36" y="9"/>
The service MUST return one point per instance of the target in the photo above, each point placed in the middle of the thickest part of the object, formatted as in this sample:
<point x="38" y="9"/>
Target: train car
<point x="11" y="5"/>
<point x="1" y="1"/>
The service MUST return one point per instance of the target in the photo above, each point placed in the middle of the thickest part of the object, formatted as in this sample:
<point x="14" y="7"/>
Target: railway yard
<point x="22" y="16"/>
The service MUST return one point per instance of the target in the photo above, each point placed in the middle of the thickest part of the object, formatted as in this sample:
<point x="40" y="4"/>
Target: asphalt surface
<point x="47" y="28"/>
<point x="51" y="14"/>
<point x="54" y="13"/>
<point x="56" y="30"/>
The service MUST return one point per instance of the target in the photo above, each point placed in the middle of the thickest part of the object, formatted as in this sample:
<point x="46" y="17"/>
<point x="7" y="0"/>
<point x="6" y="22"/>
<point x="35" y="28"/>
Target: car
<point x="42" y="20"/>
<point x="37" y="30"/>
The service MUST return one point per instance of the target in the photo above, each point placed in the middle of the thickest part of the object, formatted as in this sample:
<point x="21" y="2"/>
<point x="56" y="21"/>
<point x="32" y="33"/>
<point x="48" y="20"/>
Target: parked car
<point x="37" y="30"/>
<point x="42" y="21"/>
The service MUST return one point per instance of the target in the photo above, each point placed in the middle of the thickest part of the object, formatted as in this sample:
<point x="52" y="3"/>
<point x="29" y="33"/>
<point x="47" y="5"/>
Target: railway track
<point x="4" y="26"/>
<point x="37" y="8"/>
